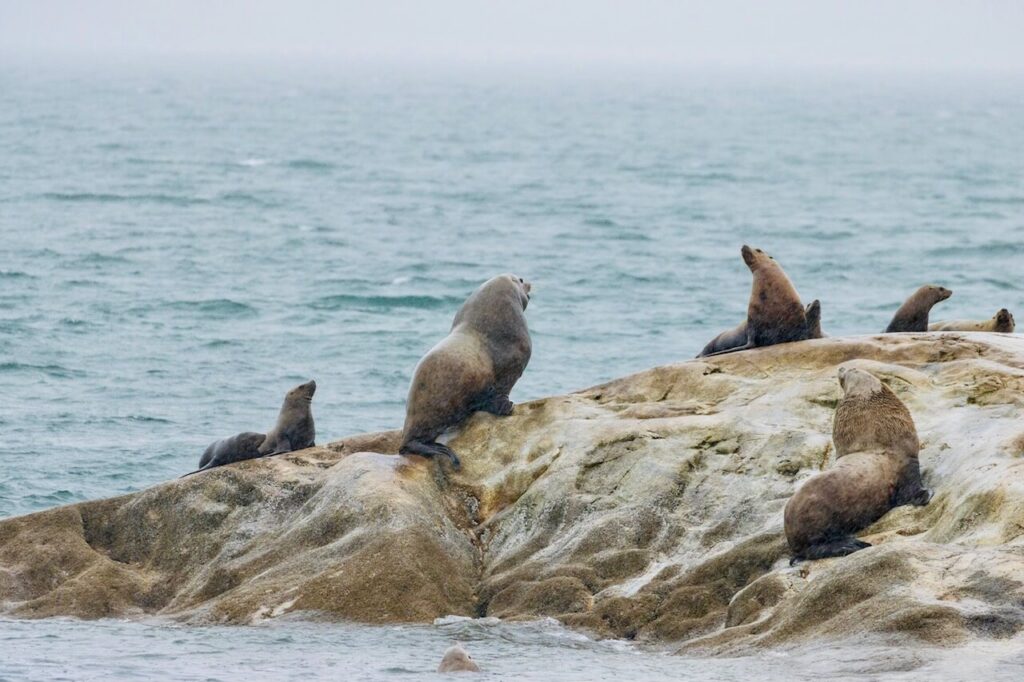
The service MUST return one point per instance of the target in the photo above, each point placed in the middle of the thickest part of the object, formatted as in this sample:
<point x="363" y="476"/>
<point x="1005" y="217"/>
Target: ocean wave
<point x="244" y="198"/>
<point x="102" y="259"/>
<point x="145" y="419"/>
<point x="106" y="198"/>
<point x="15" y="274"/>
<point x="57" y="371"/>
<point x="343" y="301"/>
<point x="1009" y="201"/>
<point x="989" y="249"/>
<point x="310" y="164"/>
<point x="217" y="307"/>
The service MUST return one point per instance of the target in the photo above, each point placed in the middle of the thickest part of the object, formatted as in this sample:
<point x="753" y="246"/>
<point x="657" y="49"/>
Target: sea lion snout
<point x="751" y="255"/>
<point x="305" y="390"/>
<point x="748" y="255"/>
<point x="944" y="293"/>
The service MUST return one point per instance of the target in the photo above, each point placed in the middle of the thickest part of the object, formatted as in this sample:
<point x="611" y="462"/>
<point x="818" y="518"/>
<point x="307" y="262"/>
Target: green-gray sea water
<point x="180" y="244"/>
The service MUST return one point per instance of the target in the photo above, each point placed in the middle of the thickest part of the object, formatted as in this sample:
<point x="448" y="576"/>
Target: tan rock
<point x="648" y="508"/>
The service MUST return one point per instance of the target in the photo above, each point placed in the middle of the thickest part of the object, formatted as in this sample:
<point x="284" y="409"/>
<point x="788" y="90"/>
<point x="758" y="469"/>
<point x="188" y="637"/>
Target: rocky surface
<point x="647" y="508"/>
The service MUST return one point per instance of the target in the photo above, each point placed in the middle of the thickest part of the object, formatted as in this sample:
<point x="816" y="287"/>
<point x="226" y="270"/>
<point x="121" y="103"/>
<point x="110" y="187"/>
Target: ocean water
<point x="181" y="243"/>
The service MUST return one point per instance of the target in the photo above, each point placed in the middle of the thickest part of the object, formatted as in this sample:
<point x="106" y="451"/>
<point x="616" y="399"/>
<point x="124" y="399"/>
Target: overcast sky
<point x="935" y="35"/>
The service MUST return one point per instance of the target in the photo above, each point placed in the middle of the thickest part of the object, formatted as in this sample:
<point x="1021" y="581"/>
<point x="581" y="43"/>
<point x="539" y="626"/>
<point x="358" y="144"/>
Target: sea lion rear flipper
<point x="431" y="450"/>
<point x="840" y="547"/>
<point x="746" y="346"/>
<point x="196" y="471"/>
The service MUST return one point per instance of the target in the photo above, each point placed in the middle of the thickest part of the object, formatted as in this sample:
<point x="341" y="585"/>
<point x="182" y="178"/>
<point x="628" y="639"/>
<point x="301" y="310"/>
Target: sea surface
<point x="181" y="243"/>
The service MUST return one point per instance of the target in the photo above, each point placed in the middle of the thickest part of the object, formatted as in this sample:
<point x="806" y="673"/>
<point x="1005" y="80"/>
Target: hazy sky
<point x="895" y="34"/>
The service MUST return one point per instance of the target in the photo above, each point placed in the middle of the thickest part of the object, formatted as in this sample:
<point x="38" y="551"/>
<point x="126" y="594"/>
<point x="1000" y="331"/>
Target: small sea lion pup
<point x="913" y="314"/>
<point x="1001" y="322"/>
<point x="456" y="660"/>
<point x="294" y="430"/>
<point x="876" y="469"/>
<point x="473" y="368"/>
<point x="774" y="313"/>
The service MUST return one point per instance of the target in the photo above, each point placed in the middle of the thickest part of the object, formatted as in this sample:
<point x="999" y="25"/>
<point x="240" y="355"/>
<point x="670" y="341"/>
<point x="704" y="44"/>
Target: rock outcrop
<point x="647" y="508"/>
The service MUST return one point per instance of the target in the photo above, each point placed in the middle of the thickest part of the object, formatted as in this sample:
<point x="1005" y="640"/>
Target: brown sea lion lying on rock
<point x="774" y="312"/>
<point x="912" y="316"/>
<point x="1000" y="322"/>
<point x="473" y="368"/>
<point x="294" y="430"/>
<point x="876" y="469"/>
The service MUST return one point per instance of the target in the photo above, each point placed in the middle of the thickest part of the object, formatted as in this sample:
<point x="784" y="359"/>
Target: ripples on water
<point x="58" y="649"/>
<point x="182" y="245"/>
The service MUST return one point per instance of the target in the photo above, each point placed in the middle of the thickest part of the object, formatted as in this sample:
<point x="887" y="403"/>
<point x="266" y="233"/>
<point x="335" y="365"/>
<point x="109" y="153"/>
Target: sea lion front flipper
<point x="431" y="450"/>
<point x="499" y="405"/>
<point x="921" y="498"/>
<point x="274" y="446"/>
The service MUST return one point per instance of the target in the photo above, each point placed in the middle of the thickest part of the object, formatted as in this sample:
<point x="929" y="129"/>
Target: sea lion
<point x="473" y="368"/>
<point x="822" y="516"/>
<point x="294" y="430"/>
<point x="1001" y="322"/>
<point x="456" y="659"/>
<point x="774" y="312"/>
<point x="913" y="314"/>
<point x="736" y="337"/>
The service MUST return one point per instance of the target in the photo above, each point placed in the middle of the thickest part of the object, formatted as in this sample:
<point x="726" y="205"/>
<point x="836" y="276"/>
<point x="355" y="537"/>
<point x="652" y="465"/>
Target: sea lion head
<point x="937" y="293"/>
<point x="457" y="659"/>
<point x="1004" y="321"/>
<point x="302" y="392"/>
<point x="520" y="286"/>
<point x="857" y="383"/>
<point x="754" y="257"/>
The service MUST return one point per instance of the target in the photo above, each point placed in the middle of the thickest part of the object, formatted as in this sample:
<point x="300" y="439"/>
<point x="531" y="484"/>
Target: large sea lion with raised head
<point x="822" y="516"/>
<point x="472" y="369"/>
<point x="457" y="660"/>
<point x="736" y="337"/>
<point x="912" y="316"/>
<point x="294" y="430"/>
<point x="774" y="312"/>
<point x="1001" y="322"/>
